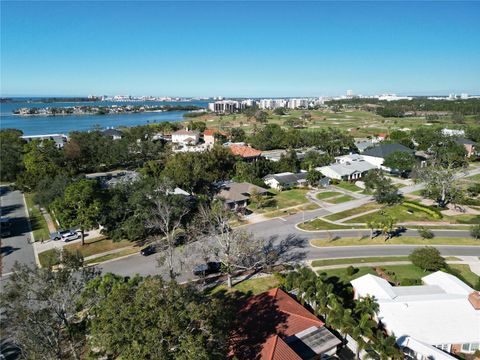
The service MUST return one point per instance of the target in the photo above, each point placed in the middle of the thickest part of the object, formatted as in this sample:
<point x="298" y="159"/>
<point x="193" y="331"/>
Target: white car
<point x="65" y="235"/>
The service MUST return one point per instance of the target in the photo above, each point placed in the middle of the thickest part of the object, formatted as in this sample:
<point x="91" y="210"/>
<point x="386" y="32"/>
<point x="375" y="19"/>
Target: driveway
<point x="15" y="247"/>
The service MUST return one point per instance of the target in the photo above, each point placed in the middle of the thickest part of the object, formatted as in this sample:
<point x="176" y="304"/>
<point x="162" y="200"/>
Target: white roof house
<point x="347" y="169"/>
<point x="440" y="313"/>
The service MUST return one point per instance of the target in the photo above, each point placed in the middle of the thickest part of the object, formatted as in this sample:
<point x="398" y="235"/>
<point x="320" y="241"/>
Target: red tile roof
<point x="244" y="151"/>
<point x="211" y="132"/>
<point x="266" y="320"/>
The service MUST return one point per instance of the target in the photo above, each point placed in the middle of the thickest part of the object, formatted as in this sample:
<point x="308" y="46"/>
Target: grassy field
<point x="327" y="194"/>
<point x="407" y="240"/>
<point x="340" y="199"/>
<point x="356" y="123"/>
<point x="348" y="186"/>
<point x="37" y="221"/>
<point x="253" y="286"/>
<point x="354" y="211"/>
<point x="282" y="200"/>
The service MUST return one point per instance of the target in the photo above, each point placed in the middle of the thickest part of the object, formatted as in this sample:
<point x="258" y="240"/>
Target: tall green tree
<point x="11" y="152"/>
<point x="154" y="319"/>
<point x="80" y="207"/>
<point x="41" y="309"/>
<point x="401" y="161"/>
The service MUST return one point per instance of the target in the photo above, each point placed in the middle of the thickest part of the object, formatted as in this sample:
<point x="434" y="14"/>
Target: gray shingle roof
<point x="384" y="150"/>
<point x="234" y="192"/>
<point x="287" y="178"/>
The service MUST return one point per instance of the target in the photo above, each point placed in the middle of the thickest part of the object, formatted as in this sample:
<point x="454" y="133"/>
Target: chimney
<point x="474" y="299"/>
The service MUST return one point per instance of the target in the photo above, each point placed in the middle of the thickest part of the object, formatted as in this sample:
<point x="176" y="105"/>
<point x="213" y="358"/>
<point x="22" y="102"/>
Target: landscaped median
<point x="398" y="240"/>
<point x="92" y="247"/>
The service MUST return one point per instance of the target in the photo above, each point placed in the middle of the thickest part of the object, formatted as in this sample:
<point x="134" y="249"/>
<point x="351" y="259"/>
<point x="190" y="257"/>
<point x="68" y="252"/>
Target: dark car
<point x="148" y="250"/>
<point x="208" y="268"/>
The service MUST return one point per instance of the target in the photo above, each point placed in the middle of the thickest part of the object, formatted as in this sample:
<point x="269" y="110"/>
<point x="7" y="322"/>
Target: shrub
<point x="351" y="270"/>
<point x="409" y="282"/>
<point x="428" y="259"/>
<point x="436" y="214"/>
<point x="426" y="233"/>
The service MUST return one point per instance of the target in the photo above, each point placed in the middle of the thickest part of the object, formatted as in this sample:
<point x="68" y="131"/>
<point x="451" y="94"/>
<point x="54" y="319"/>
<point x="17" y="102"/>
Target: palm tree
<point x="324" y="297"/>
<point x="363" y="332"/>
<point x="366" y="305"/>
<point x="385" y="346"/>
<point x="372" y="225"/>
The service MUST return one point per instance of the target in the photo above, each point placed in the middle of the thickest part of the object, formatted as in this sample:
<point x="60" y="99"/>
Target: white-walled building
<point x="186" y="137"/>
<point x="453" y="132"/>
<point x="443" y="312"/>
<point x="59" y="139"/>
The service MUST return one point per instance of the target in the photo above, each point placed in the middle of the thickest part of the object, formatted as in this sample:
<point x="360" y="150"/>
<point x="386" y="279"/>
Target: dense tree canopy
<point x="11" y="150"/>
<point x="152" y="319"/>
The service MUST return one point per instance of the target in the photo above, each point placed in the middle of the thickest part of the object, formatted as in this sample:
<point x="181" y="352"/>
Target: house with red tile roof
<point x="245" y="152"/>
<point x="274" y="326"/>
<point x="209" y="136"/>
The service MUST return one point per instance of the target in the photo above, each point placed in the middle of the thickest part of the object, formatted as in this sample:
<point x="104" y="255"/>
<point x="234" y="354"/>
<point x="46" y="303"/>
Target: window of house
<point x="444" y="347"/>
<point x="470" y="347"/>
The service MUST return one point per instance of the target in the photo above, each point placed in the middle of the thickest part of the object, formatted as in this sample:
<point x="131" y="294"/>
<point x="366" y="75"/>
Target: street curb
<point x="112" y="260"/>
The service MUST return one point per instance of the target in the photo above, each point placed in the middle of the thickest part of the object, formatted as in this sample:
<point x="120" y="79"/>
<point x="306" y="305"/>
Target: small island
<point x="101" y="110"/>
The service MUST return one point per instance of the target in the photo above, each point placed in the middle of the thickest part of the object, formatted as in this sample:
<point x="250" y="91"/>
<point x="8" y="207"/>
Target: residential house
<point x="276" y="155"/>
<point x="363" y="144"/>
<point x="186" y="137"/>
<point x="470" y="146"/>
<point x="59" y="139"/>
<point x="377" y="154"/>
<point x="274" y="326"/>
<point x="244" y="151"/>
<point x="113" y="133"/>
<point x="351" y="170"/>
<point x="209" y="136"/>
<point x="237" y="195"/>
<point x="444" y="312"/>
<point x="286" y="180"/>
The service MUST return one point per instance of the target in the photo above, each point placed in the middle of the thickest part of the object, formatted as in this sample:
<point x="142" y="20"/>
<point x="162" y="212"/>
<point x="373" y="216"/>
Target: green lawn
<point x="327" y="194"/>
<point x="354" y="211"/>
<point x="407" y="240"/>
<point x="399" y="273"/>
<point x="400" y="213"/>
<point x="282" y="200"/>
<point x="37" y="221"/>
<point x="91" y="247"/>
<point x="348" y="186"/>
<point x="292" y="211"/>
<point x="319" y="224"/>
<point x="253" y="286"/>
<point x="340" y="199"/>
<point x="358" y="260"/>
<point x="127" y="251"/>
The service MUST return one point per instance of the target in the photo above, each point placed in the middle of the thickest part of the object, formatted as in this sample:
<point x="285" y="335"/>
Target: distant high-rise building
<point x="349" y="93"/>
<point x="464" y="96"/>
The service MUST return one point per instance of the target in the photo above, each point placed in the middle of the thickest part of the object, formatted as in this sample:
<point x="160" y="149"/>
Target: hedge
<point x="436" y="214"/>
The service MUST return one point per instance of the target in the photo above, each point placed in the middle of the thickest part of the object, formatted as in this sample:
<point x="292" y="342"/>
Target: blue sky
<point x="234" y="48"/>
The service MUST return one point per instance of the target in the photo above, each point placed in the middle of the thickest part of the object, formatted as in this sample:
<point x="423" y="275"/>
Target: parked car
<point x="208" y="268"/>
<point x="5" y="227"/>
<point x="65" y="235"/>
<point x="148" y="250"/>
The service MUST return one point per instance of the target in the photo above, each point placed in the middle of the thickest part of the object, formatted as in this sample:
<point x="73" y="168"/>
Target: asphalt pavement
<point x="16" y="247"/>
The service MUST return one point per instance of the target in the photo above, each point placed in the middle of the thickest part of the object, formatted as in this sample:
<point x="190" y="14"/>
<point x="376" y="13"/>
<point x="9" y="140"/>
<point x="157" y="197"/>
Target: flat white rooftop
<point x="438" y="312"/>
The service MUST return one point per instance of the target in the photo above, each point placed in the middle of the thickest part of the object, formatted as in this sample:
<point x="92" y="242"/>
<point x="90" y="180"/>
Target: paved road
<point x="15" y="247"/>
